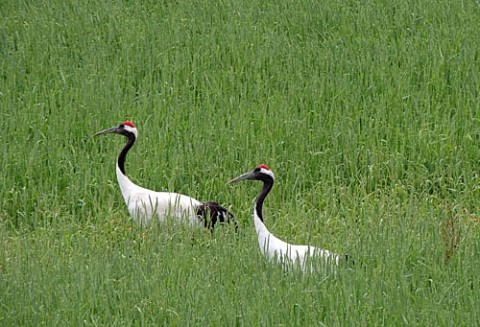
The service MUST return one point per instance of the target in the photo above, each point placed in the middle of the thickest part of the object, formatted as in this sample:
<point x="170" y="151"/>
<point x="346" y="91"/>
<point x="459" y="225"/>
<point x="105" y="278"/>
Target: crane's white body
<point x="275" y="249"/>
<point x="144" y="204"/>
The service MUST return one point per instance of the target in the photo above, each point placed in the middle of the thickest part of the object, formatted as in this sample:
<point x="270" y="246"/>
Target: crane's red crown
<point x="129" y="123"/>
<point x="263" y="166"/>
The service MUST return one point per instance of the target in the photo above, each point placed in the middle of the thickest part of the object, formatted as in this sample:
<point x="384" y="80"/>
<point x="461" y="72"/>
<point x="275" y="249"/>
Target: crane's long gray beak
<point x="249" y="175"/>
<point x="106" y="131"/>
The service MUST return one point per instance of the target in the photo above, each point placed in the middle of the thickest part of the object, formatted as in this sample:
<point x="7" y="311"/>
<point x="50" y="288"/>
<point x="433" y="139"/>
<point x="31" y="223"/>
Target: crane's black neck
<point x="267" y="187"/>
<point x="123" y="154"/>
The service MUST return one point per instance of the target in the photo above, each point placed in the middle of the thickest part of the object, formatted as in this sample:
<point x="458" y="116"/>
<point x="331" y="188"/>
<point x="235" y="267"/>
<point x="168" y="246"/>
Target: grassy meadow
<point x="368" y="113"/>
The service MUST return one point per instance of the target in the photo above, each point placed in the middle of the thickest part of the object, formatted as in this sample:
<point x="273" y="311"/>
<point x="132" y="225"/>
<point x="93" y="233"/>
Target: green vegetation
<point x="368" y="112"/>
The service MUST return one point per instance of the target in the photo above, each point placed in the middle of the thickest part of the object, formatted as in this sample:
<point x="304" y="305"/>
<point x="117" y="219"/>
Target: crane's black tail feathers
<point x="212" y="213"/>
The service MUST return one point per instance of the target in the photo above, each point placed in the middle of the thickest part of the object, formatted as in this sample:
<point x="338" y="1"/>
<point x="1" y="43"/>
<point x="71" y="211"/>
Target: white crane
<point x="144" y="204"/>
<point x="271" y="246"/>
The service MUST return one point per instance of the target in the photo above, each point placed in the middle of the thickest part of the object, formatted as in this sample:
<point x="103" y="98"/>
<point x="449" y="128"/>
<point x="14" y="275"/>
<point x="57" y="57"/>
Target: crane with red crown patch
<point x="144" y="204"/>
<point x="270" y="245"/>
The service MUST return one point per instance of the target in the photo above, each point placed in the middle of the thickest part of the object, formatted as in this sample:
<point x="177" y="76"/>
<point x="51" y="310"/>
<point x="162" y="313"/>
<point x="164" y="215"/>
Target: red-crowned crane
<point x="271" y="246"/>
<point x="144" y="204"/>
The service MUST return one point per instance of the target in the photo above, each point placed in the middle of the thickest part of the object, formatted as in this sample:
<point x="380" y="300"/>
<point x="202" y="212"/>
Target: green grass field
<point x="368" y="113"/>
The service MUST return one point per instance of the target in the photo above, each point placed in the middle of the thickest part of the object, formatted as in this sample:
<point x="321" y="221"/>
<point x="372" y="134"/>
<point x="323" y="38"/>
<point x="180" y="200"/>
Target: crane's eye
<point x="256" y="170"/>
<point x="121" y="126"/>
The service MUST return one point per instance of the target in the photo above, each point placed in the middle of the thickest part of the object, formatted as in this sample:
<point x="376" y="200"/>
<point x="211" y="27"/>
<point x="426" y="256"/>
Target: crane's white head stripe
<point x="131" y="129"/>
<point x="267" y="172"/>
